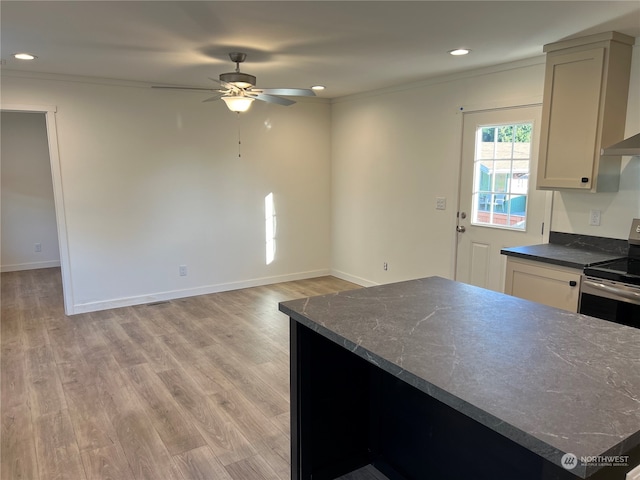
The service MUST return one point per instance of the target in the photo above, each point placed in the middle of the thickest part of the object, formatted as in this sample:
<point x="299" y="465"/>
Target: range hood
<point x="628" y="146"/>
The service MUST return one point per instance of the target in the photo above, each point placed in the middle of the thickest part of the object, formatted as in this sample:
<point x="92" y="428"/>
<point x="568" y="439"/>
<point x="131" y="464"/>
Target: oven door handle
<point x="630" y="295"/>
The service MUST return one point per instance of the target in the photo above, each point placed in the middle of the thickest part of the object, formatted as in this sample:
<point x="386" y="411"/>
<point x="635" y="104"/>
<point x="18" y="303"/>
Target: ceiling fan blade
<point x="270" y="98"/>
<point x="184" y="88"/>
<point x="228" y="86"/>
<point x="214" y="98"/>
<point x="288" y="92"/>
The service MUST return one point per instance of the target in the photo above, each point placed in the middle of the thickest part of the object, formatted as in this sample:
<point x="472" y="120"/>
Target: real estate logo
<point x="569" y="461"/>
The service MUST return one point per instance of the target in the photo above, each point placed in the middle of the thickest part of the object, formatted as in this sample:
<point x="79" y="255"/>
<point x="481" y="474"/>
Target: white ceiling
<point x="349" y="46"/>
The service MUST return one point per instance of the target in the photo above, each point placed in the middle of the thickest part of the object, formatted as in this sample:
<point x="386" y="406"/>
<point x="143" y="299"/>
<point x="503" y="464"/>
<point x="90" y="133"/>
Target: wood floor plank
<point x="143" y="447"/>
<point x="91" y="425"/>
<point x="77" y="372"/>
<point x="201" y="464"/>
<point x="106" y="463"/>
<point x="254" y="388"/>
<point x="64" y="343"/>
<point x="122" y="348"/>
<point x="276" y="451"/>
<point x="278" y="374"/>
<point x="197" y="365"/>
<point x="90" y="339"/>
<point x="11" y="328"/>
<point x="191" y="331"/>
<point x="13" y="382"/>
<point x="192" y="307"/>
<point x="156" y="353"/>
<point x="176" y="431"/>
<point x="17" y="444"/>
<point x="283" y="422"/>
<point x="254" y="468"/>
<point x="153" y="315"/>
<point x="242" y="413"/>
<point x="181" y="349"/>
<point x="35" y="330"/>
<point x="250" y="345"/>
<point x="224" y="438"/>
<point x="45" y="389"/>
<point x="210" y="378"/>
<point x="66" y="346"/>
<point x="56" y="448"/>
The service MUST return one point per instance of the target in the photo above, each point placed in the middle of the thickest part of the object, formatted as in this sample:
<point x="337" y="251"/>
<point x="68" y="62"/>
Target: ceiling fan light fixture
<point x="239" y="79"/>
<point x="238" y="103"/>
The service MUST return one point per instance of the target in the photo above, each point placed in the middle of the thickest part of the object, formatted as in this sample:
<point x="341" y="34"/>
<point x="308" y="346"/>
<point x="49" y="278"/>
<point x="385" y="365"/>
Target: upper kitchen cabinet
<point x="584" y="109"/>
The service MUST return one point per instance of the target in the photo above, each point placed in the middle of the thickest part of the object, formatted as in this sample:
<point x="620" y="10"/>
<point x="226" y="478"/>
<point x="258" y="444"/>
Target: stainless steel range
<point x="611" y="291"/>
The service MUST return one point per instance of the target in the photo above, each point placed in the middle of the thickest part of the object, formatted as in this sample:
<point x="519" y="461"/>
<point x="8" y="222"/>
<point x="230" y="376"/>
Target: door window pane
<point x="501" y="176"/>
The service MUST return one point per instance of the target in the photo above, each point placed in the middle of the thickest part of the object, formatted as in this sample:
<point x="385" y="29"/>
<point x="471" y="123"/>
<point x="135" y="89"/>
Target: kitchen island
<point x="432" y="378"/>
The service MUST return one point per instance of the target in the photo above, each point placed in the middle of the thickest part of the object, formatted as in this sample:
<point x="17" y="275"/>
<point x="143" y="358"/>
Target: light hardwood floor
<point x="196" y="388"/>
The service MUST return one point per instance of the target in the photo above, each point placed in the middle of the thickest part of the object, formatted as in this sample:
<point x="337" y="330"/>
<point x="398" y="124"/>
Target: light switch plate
<point x="441" y="203"/>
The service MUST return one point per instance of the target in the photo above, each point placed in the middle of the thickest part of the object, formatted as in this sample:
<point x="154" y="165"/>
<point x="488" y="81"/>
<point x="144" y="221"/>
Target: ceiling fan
<point x="238" y="89"/>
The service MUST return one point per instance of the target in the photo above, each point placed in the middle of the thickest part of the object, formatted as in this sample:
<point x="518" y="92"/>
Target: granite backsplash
<point x="613" y="246"/>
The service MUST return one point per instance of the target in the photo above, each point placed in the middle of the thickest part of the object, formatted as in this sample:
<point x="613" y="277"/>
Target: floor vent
<point x="161" y="302"/>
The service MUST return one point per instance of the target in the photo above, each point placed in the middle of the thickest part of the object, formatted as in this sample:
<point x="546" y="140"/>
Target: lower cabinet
<point x="552" y="285"/>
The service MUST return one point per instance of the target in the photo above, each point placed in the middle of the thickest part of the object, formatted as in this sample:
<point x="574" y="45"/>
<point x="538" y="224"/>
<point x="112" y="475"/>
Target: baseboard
<point x="191" y="292"/>
<point x="29" y="266"/>
<point x="353" y="279"/>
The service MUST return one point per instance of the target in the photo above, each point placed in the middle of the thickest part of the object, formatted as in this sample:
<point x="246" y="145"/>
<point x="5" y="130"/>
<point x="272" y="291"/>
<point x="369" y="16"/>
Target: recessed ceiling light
<point x="24" y="56"/>
<point x="459" y="51"/>
<point x="318" y="87"/>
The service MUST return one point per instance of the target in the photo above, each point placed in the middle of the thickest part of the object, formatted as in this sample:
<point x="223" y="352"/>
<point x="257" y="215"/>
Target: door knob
<point x="460" y="229"/>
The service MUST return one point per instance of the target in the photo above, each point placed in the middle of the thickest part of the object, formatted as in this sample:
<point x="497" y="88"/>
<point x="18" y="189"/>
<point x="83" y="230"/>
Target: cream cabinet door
<point x="551" y="285"/>
<point x="572" y="93"/>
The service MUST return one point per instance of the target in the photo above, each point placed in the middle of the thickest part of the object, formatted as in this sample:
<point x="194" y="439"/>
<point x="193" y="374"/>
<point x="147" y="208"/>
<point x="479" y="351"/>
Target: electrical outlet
<point x="594" y="218"/>
<point x="385" y="266"/>
<point x="38" y="247"/>
<point x="441" y="203"/>
<point x="183" y="270"/>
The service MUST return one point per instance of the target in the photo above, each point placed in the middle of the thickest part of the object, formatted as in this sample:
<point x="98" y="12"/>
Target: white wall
<point x="28" y="211"/>
<point x="152" y="180"/>
<point x="393" y="152"/>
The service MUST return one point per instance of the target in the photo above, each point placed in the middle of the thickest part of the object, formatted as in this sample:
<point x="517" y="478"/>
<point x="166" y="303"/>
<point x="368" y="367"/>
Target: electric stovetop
<point x="625" y="270"/>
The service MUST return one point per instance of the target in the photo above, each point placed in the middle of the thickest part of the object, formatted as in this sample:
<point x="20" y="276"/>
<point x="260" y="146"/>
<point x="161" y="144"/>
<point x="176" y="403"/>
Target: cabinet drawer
<point x="548" y="284"/>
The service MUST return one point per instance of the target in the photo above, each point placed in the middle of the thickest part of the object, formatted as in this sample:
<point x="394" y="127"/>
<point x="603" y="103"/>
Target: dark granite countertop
<point x="567" y="256"/>
<point x="552" y="381"/>
<point x="572" y="250"/>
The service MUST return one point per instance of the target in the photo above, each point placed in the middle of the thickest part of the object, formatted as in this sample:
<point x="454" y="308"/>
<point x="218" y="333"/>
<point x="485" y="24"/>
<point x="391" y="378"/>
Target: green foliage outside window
<point x="505" y="133"/>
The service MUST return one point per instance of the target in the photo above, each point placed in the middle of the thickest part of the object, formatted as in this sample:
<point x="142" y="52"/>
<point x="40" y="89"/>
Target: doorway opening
<point x="58" y="198"/>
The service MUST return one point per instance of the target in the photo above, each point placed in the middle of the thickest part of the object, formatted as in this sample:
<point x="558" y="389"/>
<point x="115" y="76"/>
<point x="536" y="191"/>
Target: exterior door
<point x="498" y="204"/>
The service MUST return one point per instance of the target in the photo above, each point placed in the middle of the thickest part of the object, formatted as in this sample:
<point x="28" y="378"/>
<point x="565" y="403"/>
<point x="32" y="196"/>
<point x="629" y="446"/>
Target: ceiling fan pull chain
<point x="239" y="142"/>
